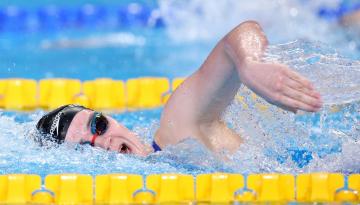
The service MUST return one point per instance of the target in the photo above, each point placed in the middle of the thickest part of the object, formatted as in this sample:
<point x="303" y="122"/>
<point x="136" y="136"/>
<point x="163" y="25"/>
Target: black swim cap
<point x="56" y="123"/>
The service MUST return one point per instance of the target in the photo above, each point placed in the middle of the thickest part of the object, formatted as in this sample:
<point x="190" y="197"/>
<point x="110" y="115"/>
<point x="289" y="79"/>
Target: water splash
<point x="336" y="78"/>
<point x="279" y="141"/>
<point x="275" y="141"/>
<point x="196" y="20"/>
<point x="19" y="153"/>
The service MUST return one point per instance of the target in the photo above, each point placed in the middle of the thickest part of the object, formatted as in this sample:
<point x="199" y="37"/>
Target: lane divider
<point x="53" y="17"/>
<point x="336" y="13"/>
<point x="99" y="94"/>
<point x="104" y="94"/>
<point x="178" y="188"/>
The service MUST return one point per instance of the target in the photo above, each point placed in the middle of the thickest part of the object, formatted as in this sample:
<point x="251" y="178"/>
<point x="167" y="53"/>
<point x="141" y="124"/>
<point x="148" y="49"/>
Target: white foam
<point x="120" y="39"/>
<point x="330" y="137"/>
<point x="283" y="21"/>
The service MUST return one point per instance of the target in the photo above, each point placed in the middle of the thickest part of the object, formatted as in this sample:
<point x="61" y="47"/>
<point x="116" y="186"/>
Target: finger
<point x="284" y="107"/>
<point x="292" y="103"/>
<point x="298" y="86"/>
<point x="300" y="79"/>
<point x="302" y="97"/>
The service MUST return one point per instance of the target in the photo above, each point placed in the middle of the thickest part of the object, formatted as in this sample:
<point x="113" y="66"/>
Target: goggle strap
<point x="92" y="143"/>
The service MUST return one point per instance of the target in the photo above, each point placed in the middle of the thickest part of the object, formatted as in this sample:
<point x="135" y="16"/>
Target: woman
<point x="194" y="109"/>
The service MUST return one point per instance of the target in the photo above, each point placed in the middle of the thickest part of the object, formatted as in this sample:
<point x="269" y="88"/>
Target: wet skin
<point x="116" y="138"/>
<point x="195" y="107"/>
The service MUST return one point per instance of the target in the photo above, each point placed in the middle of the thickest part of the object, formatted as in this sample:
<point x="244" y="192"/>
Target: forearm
<point x="220" y="76"/>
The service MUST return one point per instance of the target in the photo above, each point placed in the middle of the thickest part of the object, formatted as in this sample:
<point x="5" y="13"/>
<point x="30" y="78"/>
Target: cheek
<point x="78" y="135"/>
<point x="115" y="144"/>
<point x="74" y="138"/>
<point x="103" y="141"/>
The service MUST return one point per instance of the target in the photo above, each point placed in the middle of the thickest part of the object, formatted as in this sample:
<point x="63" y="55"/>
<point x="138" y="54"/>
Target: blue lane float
<point x="345" y="7"/>
<point x="13" y="19"/>
<point x="51" y="17"/>
<point x="91" y="14"/>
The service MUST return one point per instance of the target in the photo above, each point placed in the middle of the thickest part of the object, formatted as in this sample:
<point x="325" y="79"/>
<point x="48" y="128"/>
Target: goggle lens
<point x="99" y="124"/>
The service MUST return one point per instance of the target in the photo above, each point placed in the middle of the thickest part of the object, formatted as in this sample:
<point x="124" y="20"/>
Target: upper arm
<point x="202" y="97"/>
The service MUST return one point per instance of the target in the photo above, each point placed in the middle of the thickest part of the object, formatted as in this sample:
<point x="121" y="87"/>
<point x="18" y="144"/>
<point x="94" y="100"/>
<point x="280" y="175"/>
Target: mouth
<point x="124" y="149"/>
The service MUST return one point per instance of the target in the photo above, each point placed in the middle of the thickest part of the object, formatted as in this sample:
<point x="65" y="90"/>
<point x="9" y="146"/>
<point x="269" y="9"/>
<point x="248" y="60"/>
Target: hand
<point x="281" y="86"/>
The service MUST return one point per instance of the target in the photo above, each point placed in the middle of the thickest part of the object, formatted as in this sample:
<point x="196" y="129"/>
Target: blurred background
<point x="124" y="39"/>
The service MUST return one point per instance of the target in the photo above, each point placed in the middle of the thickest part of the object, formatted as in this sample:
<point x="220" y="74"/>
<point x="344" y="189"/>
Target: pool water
<point x="275" y="141"/>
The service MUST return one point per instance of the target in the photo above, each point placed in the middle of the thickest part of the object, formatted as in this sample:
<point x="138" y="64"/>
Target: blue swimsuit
<point x="156" y="146"/>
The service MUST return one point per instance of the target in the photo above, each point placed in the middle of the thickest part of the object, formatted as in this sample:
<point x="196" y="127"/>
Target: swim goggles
<point x="98" y="126"/>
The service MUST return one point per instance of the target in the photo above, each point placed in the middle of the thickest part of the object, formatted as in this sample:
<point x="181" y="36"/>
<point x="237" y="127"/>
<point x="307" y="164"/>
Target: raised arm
<point x="194" y="109"/>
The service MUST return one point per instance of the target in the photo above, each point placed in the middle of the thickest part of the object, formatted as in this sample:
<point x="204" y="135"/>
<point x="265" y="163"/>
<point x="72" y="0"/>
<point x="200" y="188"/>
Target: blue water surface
<point x="274" y="141"/>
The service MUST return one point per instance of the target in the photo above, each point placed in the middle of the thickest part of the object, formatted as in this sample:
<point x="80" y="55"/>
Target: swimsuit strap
<point x="156" y="146"/>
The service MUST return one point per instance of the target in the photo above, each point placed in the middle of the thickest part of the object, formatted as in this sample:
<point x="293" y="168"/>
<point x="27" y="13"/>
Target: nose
<point x="118" y="138"/>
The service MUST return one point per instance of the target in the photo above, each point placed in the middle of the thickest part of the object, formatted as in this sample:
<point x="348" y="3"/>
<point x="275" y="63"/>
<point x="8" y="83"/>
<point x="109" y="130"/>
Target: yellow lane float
<point x="99" y="94"/>
<point x="178" y="188"/>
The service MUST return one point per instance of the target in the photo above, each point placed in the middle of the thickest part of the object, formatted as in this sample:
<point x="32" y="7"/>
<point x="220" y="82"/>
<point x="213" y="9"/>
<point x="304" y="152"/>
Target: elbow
<point x="250" y="23"/>
<point x="246" y="40"/>
<point x="248" y="31"/>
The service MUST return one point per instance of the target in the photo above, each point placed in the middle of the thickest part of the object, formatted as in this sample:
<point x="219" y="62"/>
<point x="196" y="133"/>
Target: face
<point x="116" y="137"/>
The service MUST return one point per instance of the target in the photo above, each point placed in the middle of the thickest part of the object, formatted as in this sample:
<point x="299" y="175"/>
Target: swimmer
<point x="351" y="20"/>
<point x="195" y="107"/>
<point x="348" y="13"/>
